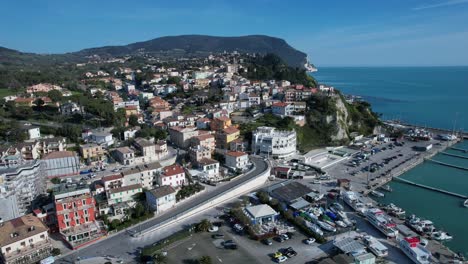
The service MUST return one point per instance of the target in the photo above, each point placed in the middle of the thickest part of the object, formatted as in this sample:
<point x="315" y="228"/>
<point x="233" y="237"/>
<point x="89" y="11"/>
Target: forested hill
<point x="171" y="45"/>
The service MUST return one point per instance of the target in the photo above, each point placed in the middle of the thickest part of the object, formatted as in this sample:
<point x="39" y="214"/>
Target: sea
<point x="429" y="96"/>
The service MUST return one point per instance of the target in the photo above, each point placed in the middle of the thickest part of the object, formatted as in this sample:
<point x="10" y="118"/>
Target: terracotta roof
<point x="204" y="137"/>
<point x="24" y="227"/>
<point x="111" y="177"/>
<point x="173" y="170"/>
<point x="279" y="104"/>
<point x="230" y="130"/>
<point x="124" y="150"/>
<point x="283" y="169"/>
<point x="162" y="191"/>
<point x="236" y="153"/>
<point x="60" y="154"/>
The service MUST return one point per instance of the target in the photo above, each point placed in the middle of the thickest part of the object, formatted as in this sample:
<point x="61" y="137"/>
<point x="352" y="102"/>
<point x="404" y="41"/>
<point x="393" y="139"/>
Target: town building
<point x="173" y="175"/>
<point x="92" y="151"/>
<point x="198" y="153"/>
<point x="261" y="214"/>
<point x="124" y="155"/>
<point x="237" y="160"/>
<point x="61" y="163"/>
<point x="161" y="199"/>
<point x="209" y="167"/>
<point x="267" y="141"/>
<point x="71" y="108"/>
<point x="123" y="194"/>
<point x="75" y="214"/>
<point x="98" y="136"/>
<point x="24" y="240"/>
<point x="226" y="136"/>
<point x="205" y="140"/>
<point x="34" y="132"/>
<point x="19" y="186"/>
<point x="181" y="136"/>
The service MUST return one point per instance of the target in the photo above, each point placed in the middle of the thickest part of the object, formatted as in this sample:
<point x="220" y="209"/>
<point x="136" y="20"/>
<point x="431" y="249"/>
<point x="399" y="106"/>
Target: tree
<point x="39" y="102"/>
<point x="55" y="180"/>
<point x="203" y="226"/>
<point x="133" y="120"/>
<point x="160" y="258"/>
<point x="263" y="197"/>
<point x="55" y="95"/>
<point x="205" y="260"/>
<point x="56" y="251"/>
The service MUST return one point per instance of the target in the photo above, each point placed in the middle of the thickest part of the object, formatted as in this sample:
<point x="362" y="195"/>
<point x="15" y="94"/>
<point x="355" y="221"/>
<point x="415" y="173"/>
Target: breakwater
<point x="432" y="188"/>
<point x="448" y="165"/>
<point x="454" y="155"/>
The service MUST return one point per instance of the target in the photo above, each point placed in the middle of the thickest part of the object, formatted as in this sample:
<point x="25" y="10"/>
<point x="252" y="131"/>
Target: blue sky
<point x="332" y="32"/>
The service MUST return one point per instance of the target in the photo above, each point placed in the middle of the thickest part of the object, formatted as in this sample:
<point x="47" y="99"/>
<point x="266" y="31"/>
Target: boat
<point x="338" y="207"/>
<point x="395" y="210"/>
<point x="425" y="227"/>
<point x="413" y="249"/>
<point x="377" y="194"/>
<point x="375" y="246"/>
<point x="382" y="222"/>
<point x="465" y="203"/>
<point x="331" y="215"/>
<point x="386" y="188"/>
<point x="351" y="199"/>
<point x="341" y="223"/>
<point x="441" y="236"/>
<point x="314" y="228"/>
<point x="326" y="226"/>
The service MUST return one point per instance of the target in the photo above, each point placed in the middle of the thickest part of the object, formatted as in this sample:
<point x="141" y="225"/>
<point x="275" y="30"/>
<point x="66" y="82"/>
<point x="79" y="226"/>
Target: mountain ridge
<point x="185" y="44"/>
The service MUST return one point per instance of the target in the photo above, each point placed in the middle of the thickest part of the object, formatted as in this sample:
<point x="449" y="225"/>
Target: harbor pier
<point x="432" y="188"/>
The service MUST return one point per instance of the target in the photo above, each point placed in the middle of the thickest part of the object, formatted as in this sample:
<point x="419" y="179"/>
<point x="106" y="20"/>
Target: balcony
<point x="29" y="254"/>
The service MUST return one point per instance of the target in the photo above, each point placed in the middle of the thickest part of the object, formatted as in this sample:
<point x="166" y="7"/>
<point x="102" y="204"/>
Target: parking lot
<point x="202" y="244"/>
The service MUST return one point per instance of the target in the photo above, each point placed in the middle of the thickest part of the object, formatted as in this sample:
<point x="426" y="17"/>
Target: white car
<point x="213" y="229"/>
<point x="281" y="259"/>
<point x="309" y="241"/>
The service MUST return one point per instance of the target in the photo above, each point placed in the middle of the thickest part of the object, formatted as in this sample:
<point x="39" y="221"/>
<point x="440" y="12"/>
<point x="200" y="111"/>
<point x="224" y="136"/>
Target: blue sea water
<point x="432" y="96"/>
<point x="428" y="96"/>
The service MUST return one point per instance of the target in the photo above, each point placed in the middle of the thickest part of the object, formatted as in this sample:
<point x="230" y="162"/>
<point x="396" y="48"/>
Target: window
<point x="77" y="221"/>
<point x="8" y="249"/>
<point x="86" y="219"/>
<point x="66" y="217"/>
<point x="86" y="212"/>
<point x="30" y="241"/>
<point x="64" y="206"/>
<point x="68" y="224"/>
<point x="76" y="214"/>
<point x="84" y="202"/>
<point x="42" y="236"/>
<point x="23" y="244"/>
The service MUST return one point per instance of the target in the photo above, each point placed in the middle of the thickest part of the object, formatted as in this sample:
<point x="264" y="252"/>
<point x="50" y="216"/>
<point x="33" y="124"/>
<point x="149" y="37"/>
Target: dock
<point x="431" y="188"/>
<point x="448" y="165"/>
<point x="459" y="149"/>
<point x="454" y="155"/>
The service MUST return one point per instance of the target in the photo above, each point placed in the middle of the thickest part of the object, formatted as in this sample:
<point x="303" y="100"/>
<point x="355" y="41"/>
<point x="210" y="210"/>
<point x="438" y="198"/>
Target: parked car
<point x="281" y="259"/>
<point x="267" y="242"/>
<point x="279" y="239"/>
<point x="309" y="241"/>
<point x="217" y="236"/>
<point x="229" y="244"/>
<point x="289" y="252"/>
<point x="213" y="229"/>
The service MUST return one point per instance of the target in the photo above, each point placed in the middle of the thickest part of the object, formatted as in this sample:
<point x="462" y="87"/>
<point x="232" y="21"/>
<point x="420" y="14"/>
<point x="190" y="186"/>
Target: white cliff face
<point x="340" y="119"/>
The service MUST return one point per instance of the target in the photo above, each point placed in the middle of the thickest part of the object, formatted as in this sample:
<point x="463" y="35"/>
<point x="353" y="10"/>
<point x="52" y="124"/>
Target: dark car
<point x="229" y="244"/>
<point x="288" y="252"/>
<point x="217" y="236"/>
<point x="267" y="242"/>
<point x="279" y="239"/>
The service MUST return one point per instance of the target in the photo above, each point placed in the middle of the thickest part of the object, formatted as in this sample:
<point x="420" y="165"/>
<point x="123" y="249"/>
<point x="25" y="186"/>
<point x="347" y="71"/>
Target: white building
<point x="123" y="194"/>
<point x="98" y="137"/>
<point x="161" y="198"/>
<point x="209" y="167"/>
<point x="71" y="108"/>
<point x="267" y="141"/>
<point x="34" y="132"/>
<point x="24" y="240"/>
<point x="19" y="186"/>
<point x="237" y="160"/>
<point x="173" y="175"/>
<point x="124" y="155"/>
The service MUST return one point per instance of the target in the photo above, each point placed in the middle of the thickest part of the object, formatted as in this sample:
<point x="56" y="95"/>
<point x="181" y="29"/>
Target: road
<point x="122" y="242"/>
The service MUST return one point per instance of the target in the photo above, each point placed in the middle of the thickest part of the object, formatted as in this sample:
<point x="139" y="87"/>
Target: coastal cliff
<point x="331" y="121"/>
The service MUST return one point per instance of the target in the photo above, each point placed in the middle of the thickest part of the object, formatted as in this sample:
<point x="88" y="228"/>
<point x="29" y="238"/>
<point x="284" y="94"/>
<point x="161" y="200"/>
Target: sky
<point x="331" y="32"/>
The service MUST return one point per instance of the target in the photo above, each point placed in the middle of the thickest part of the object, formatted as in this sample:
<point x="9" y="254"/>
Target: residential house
<point x="125" y="194"/>
<point x="24" y="240"/>
<point x="124" y="155"/>
<point x="205" y="140"/>
<point x="34" y="132"/>
<point x="181" y="136"/>
<point x="220" y="123"/>
<point x="161" y="198"/>
<point x="267" y="141"/>
<point x="92" y="151"/>
<point x="237" y="160"/>
<point x="261" y="214"/>
<point x="71" y="108"/>
<point x="209" y="167"/>
<point x="173" y="175"/>
<point x="227" y="135"/>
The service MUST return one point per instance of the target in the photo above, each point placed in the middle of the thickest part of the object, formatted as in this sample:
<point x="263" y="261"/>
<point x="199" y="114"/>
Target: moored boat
<point x="377" y="194"/>
<point x="386" y="188"/>
<point x="314" y="228"/>
<point x="382" y="222"/>
<point x="465" y="203"/>
<point x="441" y="236"/>
<point x="413" y="249"/>
<point x="326" y="227"/>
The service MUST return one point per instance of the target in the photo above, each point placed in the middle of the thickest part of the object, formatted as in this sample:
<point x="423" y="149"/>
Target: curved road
<point x="118" y="244"/>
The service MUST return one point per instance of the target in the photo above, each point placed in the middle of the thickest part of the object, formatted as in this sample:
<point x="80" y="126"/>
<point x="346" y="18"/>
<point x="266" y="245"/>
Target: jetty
<point x="459" y="149"/>
<point x="431" y="188"/>
<point x="454" y="155"/>
<point x="448" y="165"/>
